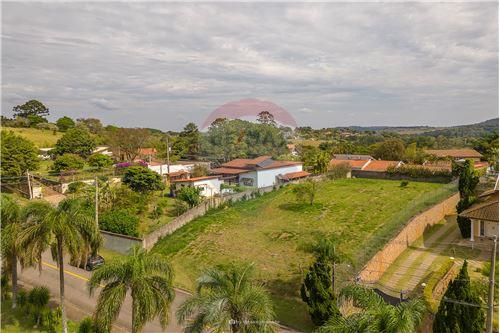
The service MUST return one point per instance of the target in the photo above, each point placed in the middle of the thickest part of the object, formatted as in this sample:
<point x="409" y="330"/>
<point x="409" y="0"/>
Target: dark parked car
<point x="92" y="263"/>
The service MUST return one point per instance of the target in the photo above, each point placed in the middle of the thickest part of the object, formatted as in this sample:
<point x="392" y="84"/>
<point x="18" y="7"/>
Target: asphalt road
<point x="80" y="304"/>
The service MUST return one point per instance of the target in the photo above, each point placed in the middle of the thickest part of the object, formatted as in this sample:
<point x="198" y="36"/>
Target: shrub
<point x="419" y="171"/>
<point x="156" y="212"/>
<point x="46" y="126"/>
<point x="76" y="187"/>
<point x="100" y="161"/>
<point x="120" y="222"/>
<point x="199" y="170"/>
<point x="67" y="162"/>
<point x="190" y="194"/>
<point x="38" y="299"/>
<point x="87" y="325"/>
<point x="35" y="120"/>
<point x="129" y="200"/>
<point x="143" y="180"/>
<point x="65" y="123"/>
<point x="180" y="207"/>
<point x="339" y="171"/>
<point x="404" y="183"/>
<point x="305" y="191"/>
<point x="18" y="155"/>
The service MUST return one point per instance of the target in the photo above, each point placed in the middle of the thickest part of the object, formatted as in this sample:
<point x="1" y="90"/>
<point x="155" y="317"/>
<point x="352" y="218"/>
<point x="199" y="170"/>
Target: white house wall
<point x="210" y="186"/>
<point x="252" y="175"/>
<point x="163" y="169"/>
<point x="267" y="177"/>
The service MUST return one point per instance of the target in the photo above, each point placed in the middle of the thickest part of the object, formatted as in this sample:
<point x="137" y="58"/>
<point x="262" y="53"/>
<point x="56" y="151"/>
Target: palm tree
<point x="11" y="225"/>
<point x="148" y="278"/>
<point x="66" y="228"/>
<point x="227" y="300"/>
<point x="375" y="315"/>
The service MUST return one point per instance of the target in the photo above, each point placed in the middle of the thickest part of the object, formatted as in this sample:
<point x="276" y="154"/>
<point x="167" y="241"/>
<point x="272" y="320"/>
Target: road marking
<point x="69" y="272"/>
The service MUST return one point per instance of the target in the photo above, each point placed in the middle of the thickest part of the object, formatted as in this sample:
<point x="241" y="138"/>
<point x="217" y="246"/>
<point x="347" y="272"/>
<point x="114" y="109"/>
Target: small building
<point x="355" y="164"/>
<point x="292" y="149"/>
<point x="44" y="153"/>
<point x="351" y="157"/>
<point x="483" y="216"/>
<point x="381" y="165"/>
<point x="292" y="176"/>
<point x="259" y="172"/>
<point x="104" y="150"/>
<point x="455" y="154"/>
<point x="209" y="185"/>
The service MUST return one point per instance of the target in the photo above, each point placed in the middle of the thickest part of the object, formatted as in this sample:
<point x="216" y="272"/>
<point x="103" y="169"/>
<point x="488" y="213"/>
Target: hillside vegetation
<point x="271" y="231"/>
<point x="41" y="138"/>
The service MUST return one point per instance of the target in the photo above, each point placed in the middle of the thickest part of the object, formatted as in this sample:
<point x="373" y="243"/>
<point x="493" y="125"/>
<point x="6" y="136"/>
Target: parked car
<point x="92" y="263"/>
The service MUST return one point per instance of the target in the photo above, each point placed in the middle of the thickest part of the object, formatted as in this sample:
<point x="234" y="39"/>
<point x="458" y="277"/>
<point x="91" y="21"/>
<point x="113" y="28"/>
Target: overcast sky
<point x="163" y="65"/>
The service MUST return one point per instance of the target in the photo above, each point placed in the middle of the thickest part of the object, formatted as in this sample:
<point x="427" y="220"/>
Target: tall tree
<point x="453" y="317"/>
<point x="467" y="182"/>
<point x="148" y="278"/>
<point x="375" y="314"/>
<point x="191" y="137"/>
<point x="127" y="141"/>
<point x="66" y="228"/>
<point x="65" y="123"/>
<point x="30" y="108"/>
<point x="227" y="300"/>
<point x="143" y="180"/>
<point x="18" y="155"/>
<point x="317" y="292"/>
<point x="92" y="124"/>
<point x="392" y="150"/>
<point x="11" y="226"/>
<point x="76" y="140"/>
<point x="266" y="117"/>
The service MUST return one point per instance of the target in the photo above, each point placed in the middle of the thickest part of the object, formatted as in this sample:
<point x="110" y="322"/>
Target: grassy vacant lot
<point x="41" y="138"/>
<point x="271" y="230"/>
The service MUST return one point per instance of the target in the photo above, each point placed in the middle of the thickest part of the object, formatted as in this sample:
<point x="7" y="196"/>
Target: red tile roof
<point x="354" y="164"/>
<point x="147" y="151"/>
<point x="480" y="165"/>
<point x="177" y="173"/>
<point x="194" y="179"/>
<point x="380" y="165"/>
<point x="251" y="164"/>
<point x="295" y="175"/>
<point x="487" y="211"/>
<point x="454" y="153"/>
<point x="232" y="171"/>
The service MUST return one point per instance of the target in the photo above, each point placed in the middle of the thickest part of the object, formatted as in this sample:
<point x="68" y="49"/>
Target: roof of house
<point x="295" y="175"/>
<point x="380" y="165"/>
<point x="177" y="173"/>
<point x="194" y="179"/>
<point x="480" y="165"/>
<point x="147" y="151"/>
<point x="258" y="163"/>
<point x="354" y="164"/>
<point x="351" y="157"/>
<point x="455" y="153"/>
<point x="486" y="211"/>
<point x="232" y="171"/>
<point x="488" y="193"/>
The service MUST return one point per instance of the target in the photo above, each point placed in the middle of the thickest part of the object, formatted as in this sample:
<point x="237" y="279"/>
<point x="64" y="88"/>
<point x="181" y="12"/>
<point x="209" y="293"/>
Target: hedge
<point x="418" y="171"/>
<point x="120" y="222"/>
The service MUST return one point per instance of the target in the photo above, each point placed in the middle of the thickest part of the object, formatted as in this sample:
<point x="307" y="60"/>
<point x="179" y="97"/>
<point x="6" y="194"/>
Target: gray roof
<point x="352" y="157"/>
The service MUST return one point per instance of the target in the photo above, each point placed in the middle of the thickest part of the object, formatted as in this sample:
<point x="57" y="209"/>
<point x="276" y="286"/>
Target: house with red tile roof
<point x="354" y="164"/>
<point x="259" y="172"/>
<point x="455" y="154"/>
<point x="381" y="165"/>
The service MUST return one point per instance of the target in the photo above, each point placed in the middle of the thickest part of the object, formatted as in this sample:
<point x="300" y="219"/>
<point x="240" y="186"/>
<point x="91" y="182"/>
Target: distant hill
<point x="473" y="130"/>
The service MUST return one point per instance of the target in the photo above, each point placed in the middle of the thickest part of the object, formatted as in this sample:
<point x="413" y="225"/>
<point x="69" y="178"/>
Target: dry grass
<point x="41" y="138"/>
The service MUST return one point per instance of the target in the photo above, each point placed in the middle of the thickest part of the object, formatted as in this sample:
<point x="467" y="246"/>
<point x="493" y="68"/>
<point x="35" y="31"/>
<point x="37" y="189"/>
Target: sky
<point x="161" y="65"/>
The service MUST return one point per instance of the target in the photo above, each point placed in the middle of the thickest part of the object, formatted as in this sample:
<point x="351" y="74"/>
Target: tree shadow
<point x="302" y="207"/>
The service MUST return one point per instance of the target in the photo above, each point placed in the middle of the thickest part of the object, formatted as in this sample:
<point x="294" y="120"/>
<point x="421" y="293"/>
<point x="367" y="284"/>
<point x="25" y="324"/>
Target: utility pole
<point x="29" y="185"/>
<point x="96" y="203"/>
<point x="491" y="291"/>
<point x="168" y="156"/>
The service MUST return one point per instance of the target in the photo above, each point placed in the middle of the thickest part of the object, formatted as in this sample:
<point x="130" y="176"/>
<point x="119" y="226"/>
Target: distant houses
<point x="259" y="172"/>
<point x="208" y="185"/>
<point x="455" y="154"/>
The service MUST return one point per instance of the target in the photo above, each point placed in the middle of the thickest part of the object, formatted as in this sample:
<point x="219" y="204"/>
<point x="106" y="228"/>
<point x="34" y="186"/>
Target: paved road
<point x="80" y="304"/>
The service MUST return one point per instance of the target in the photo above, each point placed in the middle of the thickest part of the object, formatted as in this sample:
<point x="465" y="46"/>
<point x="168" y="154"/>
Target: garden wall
<point x="119" y="243"/>
<point x="414" y="229"/>
<point x="150" y="240"/>
<point x="385" y="175"/>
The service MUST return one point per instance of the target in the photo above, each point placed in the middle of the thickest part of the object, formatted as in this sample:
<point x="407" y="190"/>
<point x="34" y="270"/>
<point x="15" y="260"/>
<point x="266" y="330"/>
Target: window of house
<point x="481" y="228"/>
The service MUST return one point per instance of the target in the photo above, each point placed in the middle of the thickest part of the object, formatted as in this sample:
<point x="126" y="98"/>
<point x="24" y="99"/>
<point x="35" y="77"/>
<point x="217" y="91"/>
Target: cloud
<point x="162" y="64"/>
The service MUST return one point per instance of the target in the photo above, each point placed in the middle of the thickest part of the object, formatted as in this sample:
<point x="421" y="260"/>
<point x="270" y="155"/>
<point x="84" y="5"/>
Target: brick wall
<point x="415" y="228"/>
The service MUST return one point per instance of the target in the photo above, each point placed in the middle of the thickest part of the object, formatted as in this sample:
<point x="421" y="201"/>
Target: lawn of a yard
<point x="270" y="231"/>
<point x="15" y="321"/>
<point x="41" y="138"/>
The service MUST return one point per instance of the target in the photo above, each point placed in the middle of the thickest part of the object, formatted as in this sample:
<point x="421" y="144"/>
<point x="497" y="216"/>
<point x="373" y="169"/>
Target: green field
<point x="362" y="214"/>
<point x="41" y="138"/>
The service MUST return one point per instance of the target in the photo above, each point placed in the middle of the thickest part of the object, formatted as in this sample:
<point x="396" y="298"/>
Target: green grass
<point x="15" y="321"/>
<point x="362" y="214"/>
<point x="149" y="223"/>
<point x="41" y="138"/>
